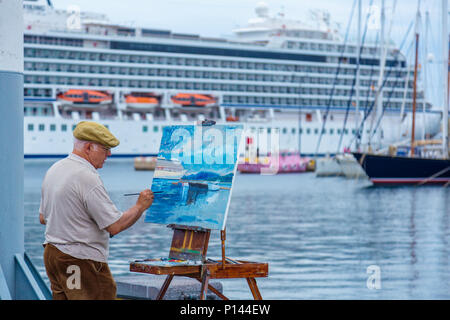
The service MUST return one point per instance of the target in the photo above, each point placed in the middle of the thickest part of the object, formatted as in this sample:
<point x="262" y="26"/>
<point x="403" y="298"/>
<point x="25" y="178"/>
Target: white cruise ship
<point x="275" y="75"/>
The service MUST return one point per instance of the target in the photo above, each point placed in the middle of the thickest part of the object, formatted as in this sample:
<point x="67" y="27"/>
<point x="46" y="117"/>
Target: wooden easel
<point x="191" y="244"/>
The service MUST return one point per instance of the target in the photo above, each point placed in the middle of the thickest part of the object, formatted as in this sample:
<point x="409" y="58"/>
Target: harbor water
<point x="324" y="238"/>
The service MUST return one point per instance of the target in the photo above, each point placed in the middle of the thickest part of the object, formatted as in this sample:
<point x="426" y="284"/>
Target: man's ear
<point x="88" y="147"/>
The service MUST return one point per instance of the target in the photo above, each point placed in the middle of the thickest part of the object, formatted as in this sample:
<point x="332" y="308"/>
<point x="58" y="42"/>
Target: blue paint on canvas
<point x="195" y="172"/>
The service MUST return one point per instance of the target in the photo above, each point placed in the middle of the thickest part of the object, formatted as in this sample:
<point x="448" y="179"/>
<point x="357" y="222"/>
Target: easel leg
<point x="205" y="284"/>
<point x="217" y="292"/>
<point x="164" y="287"/>
<point x="254" y="288"/>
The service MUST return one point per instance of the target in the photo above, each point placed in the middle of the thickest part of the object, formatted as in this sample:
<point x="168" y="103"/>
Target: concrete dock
<point x="146" y="287"/>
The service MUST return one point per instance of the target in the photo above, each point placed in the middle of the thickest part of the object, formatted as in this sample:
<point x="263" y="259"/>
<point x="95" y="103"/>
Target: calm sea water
<point x="319" y="235"/>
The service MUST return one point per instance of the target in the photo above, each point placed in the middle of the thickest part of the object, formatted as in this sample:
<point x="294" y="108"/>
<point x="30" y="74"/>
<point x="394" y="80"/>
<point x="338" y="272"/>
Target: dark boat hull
<point x="404" y="170"/>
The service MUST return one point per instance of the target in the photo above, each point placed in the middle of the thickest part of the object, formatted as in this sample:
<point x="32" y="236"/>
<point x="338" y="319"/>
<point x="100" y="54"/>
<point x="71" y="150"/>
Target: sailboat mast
<point x="379" y="109"/>
<point x="358" y="76"/>
<point x="414" y="95"/>
<point x="424" y="74"/>
<point x="445" y="55"/>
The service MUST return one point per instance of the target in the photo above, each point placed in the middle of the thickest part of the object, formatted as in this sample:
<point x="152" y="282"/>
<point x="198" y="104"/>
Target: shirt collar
<point x="77" y="158"/>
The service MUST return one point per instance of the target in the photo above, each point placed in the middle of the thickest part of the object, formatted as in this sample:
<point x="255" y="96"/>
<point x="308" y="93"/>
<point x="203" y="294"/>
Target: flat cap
<point x="95" y="132"/>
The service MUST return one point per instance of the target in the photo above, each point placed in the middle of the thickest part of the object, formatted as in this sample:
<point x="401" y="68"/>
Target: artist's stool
<point x="188" y="259"/>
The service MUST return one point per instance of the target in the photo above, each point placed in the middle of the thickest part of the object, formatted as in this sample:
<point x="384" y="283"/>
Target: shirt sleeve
<point x="100" y="207"/>
<point x="41" y="206"/>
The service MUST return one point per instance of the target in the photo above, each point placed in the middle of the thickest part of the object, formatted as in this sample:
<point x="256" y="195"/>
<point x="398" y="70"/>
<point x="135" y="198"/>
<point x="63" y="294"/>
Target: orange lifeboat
<point x="141" y="100"/>
<point x="232" y="119"/>
<point x="194" y="100"/>
<point x="85" y="96"/>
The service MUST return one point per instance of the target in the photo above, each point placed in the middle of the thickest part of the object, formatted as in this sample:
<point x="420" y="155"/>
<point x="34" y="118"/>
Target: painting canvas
<point x="194" y="175"/>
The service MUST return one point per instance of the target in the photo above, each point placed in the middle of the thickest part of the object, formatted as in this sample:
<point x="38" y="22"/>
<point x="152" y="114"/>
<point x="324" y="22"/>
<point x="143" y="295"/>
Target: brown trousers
<point x="77" y="279"/>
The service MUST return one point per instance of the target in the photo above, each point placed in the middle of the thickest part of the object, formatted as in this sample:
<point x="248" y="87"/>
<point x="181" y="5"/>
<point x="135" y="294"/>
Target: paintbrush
<point x="138" y="193"/>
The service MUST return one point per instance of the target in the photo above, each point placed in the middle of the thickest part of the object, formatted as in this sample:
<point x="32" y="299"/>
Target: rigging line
<point x="432" y="48"/>
<point x="433" y="176"/>
<point x="395" y="60"/>
<point x="389" y="97"/>
<point x="388" y="100"/>
<point x="401" y="46"/>
<point x="377" y="86"/>
<point x="383" y="57"/>
<point x="358" y="131"/>
<point x="299" y="129"/>
<point x="405" y="87"/>
<point x="337" y="73"/>
<point x="374" y="102"/>
<point x="351" y="96"/>
<point x="353" y="87"/>
<point x="424" y="75"/>
<point x="411" y="24"/>
<point x="336" y="77"/>
<point x="372" y="73"/>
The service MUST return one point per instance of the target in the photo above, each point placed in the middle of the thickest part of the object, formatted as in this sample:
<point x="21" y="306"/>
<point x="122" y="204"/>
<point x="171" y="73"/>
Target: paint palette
<point x="167" y="262"/>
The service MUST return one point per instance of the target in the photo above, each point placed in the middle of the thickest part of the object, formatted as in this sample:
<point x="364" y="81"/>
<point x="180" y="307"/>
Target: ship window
<point x="308" y="131"/>
<point x="144" y="128"/>
<point x="30" y="127"/>
<point x="331" y="131"/>
<point x="215" y="51"/>
<point x="155" y="128"/>
<point x="41" y="127"/>
<point x="316" y="131"/>
<point x="293" y="130"/>
<point x="53" y="127"/>
<point x="64" y="127"/>
<point x="285" y="130"/>
<point x="73" y="127"/>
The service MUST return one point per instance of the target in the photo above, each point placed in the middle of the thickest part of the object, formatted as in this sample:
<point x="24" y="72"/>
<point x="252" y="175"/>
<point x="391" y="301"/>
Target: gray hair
<point x="79" y="144"/>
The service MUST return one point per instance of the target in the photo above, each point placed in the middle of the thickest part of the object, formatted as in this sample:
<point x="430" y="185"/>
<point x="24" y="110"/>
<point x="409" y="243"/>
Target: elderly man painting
<point x="80" y="218"/>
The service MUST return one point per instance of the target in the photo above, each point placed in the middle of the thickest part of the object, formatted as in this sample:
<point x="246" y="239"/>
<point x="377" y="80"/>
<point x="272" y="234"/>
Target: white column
<point x="11" y="143"/>
<point x="444" y="75"/>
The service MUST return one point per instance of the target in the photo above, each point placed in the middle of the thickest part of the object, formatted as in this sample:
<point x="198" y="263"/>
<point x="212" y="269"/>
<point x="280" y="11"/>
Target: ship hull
<point x="44" y="136"/>
<point x="388" y="170"/>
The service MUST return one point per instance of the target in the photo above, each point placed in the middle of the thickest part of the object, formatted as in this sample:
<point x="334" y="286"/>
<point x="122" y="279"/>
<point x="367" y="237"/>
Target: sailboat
<point x="415" y="168"/>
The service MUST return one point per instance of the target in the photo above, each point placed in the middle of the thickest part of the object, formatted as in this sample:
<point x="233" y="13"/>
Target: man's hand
<point x="145" y="199"/>
<point x="130" y="216"/>
<point x="41" y="218"/>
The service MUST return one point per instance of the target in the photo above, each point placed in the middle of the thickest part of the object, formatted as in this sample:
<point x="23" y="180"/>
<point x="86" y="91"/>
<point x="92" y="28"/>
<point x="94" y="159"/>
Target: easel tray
<point x="217" y="270"/>
<point x="166" y="266"/>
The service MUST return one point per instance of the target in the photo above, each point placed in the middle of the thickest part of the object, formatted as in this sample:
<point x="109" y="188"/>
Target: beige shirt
<point x="77" y="209"/>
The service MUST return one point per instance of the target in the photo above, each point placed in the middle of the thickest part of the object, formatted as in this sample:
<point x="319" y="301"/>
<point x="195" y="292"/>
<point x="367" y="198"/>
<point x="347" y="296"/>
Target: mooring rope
<point x="434" y="176"/>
